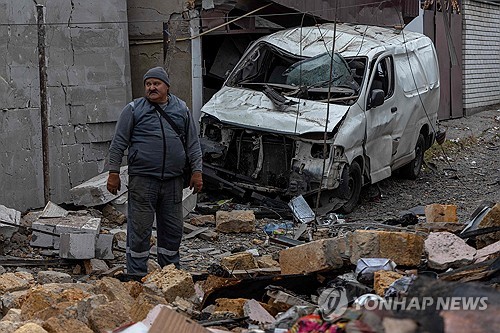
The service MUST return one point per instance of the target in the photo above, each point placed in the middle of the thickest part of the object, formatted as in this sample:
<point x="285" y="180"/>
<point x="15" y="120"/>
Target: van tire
<point x="355" y="183"/>
<point x="412" y="169"/>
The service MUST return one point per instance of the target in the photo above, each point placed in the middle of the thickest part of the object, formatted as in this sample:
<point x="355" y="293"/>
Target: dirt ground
<point x="464" y="171"/>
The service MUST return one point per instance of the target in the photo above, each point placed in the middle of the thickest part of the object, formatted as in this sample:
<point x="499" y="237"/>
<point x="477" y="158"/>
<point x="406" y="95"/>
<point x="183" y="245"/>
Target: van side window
<point x="384" y="77"/>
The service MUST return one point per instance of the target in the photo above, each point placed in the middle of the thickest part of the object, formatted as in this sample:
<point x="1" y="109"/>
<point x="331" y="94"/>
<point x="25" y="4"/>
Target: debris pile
<point x="324" y="274"/>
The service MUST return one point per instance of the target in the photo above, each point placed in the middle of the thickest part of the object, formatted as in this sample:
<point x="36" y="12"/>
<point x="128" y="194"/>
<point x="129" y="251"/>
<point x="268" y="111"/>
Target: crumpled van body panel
<point x="294" y="117"/>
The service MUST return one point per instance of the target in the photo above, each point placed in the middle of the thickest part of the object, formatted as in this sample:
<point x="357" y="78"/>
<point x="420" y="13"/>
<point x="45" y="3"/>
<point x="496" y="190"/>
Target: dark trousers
<point x="148" y="196"/>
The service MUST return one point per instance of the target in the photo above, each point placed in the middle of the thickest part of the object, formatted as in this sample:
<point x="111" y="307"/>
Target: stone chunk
<point x="317" y="256"/>
<point x="63" y="325"/>
<point x="10" y="282"/>
<point x="172" y="282"/>
<point x="403" y="248"/>
<point x="231" y="305"/>
<point x="44" y="277"/>
<point x="93" y="192"/>
<point x="256" y="312"/>
<point x="383" y="279"/>
<point x="77" y="246"/>
<point x="489" y="252"/>
<point x="235" y="221"/>
<point x="143" y="304"/>
<point x="95" y="266"/>
<point x="441" y="213"/>
<point x="243" y="260"/>
<point x="114" y="291"/>
<point x="446" y="250"/>
<point x="13" y="315"/>
<point x="39" y="239"/>
<point x="30" y="328"/>
<point x="267" y="261"/>
<point x="202" y="220"/>
<point x="491" y="219"/>
<point x="108" y="316"/>
<point x="9" y="215"/>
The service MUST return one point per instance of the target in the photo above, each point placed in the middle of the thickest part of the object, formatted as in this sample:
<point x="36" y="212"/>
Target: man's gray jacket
<point x="154" y="148"/>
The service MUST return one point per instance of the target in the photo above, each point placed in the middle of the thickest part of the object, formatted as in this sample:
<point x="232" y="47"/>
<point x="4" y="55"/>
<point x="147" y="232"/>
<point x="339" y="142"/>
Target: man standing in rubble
<point x="156" y="159"/>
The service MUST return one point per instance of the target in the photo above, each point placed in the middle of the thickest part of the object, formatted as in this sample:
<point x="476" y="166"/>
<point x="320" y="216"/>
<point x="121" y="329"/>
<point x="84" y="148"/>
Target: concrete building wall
<point x="146" y="43"/>
<point x="481" y="54"/>
<point x="88" y="75"/>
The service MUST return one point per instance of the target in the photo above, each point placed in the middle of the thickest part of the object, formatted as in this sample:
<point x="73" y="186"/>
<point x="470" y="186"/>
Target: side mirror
<point x="376" y="98"/>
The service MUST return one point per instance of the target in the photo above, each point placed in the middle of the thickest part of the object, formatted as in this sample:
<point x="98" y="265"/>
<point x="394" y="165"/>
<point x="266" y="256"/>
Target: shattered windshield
<point x="272" y="70"/>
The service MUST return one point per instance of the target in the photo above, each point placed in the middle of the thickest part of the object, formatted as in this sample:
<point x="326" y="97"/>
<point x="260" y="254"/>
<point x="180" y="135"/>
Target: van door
<point x="381" y="120"/>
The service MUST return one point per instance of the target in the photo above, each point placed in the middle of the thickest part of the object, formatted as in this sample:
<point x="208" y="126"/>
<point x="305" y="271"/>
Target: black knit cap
<point x="157" y="73"/>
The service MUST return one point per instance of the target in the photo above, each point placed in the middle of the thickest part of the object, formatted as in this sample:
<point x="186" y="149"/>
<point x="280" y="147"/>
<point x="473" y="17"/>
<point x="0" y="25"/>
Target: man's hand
<point x="114" y="182"/>
<point x="196" y="183"/>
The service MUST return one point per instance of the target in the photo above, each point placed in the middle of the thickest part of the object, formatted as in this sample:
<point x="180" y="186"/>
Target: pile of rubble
<point x="244" y="271"/>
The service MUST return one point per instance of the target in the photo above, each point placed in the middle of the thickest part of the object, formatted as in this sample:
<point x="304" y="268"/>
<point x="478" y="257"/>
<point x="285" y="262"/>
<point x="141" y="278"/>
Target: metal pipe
<point x="42" y="69"/>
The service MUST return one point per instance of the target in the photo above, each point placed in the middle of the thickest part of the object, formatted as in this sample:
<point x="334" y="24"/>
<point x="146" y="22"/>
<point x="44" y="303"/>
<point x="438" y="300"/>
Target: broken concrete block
<point x="257" y="313"/>
<point x="242" y="260"/>
<point x="383" y="279"/>
<point x="94" y="192"/>
<point x="39" y="239"/>
<point x="491" y="219"/>
<point x="267" y="261"/>
<point x="446" y="250"/>
<point x="10" y="282"/>
<point x="104" y="247"/>
<point x="76" y="223"/>
<point x="441" y="213"/>
<point x="317" y="256"/>
<point x="77" y="246"/>
<point x="108" y="316"/>
<point x="64" y="325"/>
<point x="44" y="277"/>
<point x="202" y="220"/>
<point x="235" y="221"/>
<point x="231" y="305"/>
<point x="11" y="216"/>
<point x="403" y="248"/>
<point x="95" y="266"/>
<point x="172" y="282"/>
<point x="30" y="328"/>
<point x="489" y="252"/>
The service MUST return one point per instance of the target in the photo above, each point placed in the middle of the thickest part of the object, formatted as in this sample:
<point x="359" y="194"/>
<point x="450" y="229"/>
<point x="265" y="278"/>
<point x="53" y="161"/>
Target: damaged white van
<point x="296" y="118"/>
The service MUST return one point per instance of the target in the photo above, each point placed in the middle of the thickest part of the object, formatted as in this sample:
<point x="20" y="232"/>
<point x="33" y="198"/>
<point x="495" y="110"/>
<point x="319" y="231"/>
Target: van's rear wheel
<point x="354" y="188"/>
<point x="412" y="169"/>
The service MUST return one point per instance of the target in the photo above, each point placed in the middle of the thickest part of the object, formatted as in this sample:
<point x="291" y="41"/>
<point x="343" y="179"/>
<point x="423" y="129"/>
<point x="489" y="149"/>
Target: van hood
<point x="253" y="109"/>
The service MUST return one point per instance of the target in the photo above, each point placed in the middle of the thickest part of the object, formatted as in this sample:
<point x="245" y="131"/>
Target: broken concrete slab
<point x="316" y="256"/>
<point x="446" y="250"/>
<point x="77" y="246"/>
<point x="242" y="261"/>
<point x="10" y="216"/>
<point x="441" y="213"/>
<point x="77" y="224"/>
<point x="235" y="221"/>
<point x="207" y="235"/>
<point x="93" y="192"/>
<point x="403" y="248"/>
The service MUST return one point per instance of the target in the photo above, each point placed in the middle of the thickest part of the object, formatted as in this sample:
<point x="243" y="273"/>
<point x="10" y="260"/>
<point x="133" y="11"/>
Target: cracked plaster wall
<point x="88" y="75"/>
<point x="146" y="25"/>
